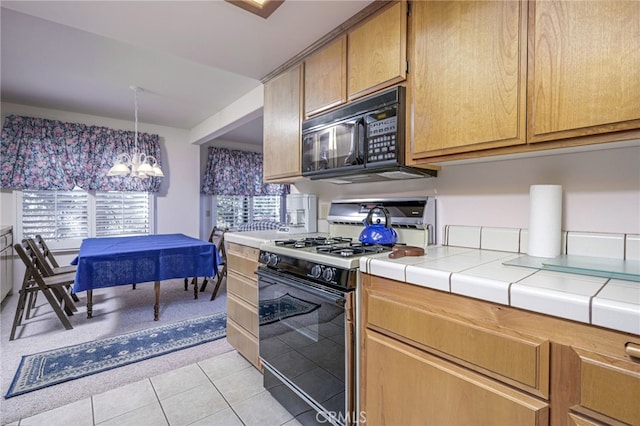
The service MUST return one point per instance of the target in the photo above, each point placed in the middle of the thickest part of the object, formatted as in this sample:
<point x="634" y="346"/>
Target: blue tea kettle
<point x="378" y="233"/>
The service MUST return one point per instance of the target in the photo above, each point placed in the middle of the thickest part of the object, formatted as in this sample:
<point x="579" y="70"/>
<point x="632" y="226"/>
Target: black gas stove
<point x="332" y="261"/>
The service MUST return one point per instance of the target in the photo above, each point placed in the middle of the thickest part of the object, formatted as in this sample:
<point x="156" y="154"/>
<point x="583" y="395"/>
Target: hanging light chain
<point x="135" y="101"/>
<point x="137" y="164"/>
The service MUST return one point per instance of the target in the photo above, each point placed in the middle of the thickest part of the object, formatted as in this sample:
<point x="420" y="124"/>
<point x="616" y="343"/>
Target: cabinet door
<point x="467" y="77"/>
<point x="405" y="386"/>
<point x="609" y="387"/>
<point x="325" y="78"/>
<point x="584" y="71"/>
<point x="6" y="265"/>
<point x="282" y="117"/>
<point x="377" y="52"/>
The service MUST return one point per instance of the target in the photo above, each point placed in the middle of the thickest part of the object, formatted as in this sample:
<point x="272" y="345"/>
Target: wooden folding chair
<point x="68" y="278"/>
<point x="49" y="258"/>
<point x="53" y="287"/>
<point x="46" y="263"/>
<point x="217" y="238"/>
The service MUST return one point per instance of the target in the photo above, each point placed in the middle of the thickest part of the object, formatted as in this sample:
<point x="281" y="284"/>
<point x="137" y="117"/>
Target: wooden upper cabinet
<point x="282" y="118"/>
<point x="377" y="53"/>
<point x="325" y="78"/>
<point x="467" y="81"/>
<point x="584" y="76"/>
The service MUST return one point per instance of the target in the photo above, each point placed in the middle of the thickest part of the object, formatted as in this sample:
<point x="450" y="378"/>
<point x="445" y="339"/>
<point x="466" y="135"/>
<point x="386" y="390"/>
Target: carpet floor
<point x="116" y="311"/>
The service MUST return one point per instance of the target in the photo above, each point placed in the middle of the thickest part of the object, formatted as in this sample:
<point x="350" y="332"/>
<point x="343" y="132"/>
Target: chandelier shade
<point x="136" y="164"/>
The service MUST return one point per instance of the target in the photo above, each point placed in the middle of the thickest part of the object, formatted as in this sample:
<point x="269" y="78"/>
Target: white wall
<point x="178" y="200"/>
<point x="601" y="190"/>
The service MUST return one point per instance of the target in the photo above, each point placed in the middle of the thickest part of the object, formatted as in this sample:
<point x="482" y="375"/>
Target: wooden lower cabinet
<point x="598" y="388"/>
<point x="430" y="357"/>
<point x="244" y="342"/>
<point x="242" y="301"/>
<point x="6" y="263"/>
<point x="407" y="386"/>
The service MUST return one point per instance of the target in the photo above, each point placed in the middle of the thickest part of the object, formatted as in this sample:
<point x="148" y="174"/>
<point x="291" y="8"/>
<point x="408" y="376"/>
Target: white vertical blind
<point x="122" y="213"/>
<point x="67" y="217"/>
<point x="266" y="207"/>
<point x="235" y="210"/>
<point x="55" y="215"/>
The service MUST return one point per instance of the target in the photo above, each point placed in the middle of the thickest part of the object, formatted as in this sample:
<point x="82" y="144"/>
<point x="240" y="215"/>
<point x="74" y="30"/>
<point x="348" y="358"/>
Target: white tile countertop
<point x="257" y="238"/>
<point x="254" y="238"/>
<point x="477" y="270"/>
<point x="481" y="274"/>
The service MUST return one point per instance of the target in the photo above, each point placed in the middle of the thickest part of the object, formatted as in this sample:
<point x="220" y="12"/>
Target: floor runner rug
<point x="48" y="368"/>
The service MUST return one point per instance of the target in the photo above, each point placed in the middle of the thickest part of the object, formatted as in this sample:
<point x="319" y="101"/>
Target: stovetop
<point x="314" y="241"/>
<point x="342" y="252"/>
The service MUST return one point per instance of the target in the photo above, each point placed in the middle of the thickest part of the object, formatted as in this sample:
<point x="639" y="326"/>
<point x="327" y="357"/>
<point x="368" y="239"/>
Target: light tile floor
<point x="223" y="390"/>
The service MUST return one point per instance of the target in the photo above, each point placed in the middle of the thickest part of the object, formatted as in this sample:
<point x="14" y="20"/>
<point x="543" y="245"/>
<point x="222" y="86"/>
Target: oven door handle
<point x="337" y="300"/>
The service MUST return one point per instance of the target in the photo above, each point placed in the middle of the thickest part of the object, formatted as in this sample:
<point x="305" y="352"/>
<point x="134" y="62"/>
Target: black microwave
<point x="361" y="141"/>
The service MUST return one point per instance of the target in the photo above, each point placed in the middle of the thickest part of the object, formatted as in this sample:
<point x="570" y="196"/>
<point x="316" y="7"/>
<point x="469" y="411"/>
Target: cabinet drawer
<point x="522" y="359"/>
<point x="242" y="313"/>
<point x="242" y="265"/>
<point x="243" y="251"/>
<point x="243" y="287"/>
<point x="245" y="343"/>
<point x="610" y="387"/>
<point x="406" y="386"/>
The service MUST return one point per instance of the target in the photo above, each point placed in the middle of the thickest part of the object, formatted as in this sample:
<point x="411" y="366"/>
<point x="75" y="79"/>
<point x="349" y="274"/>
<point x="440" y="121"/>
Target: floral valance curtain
<point x="41" y="154"/>
<point x="231" y="172"/>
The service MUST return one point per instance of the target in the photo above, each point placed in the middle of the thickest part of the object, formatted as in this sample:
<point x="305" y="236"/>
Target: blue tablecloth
<point x="108" y="262"/>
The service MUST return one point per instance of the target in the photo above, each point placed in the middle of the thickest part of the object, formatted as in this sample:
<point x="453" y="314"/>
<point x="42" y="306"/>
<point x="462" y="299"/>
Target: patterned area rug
<point x="285" y="306"/>
<point x="49" y="368"/>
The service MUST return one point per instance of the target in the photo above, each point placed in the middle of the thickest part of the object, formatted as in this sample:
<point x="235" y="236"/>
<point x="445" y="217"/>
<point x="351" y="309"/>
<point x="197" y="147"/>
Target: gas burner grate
<point x="313" y="242"/>
<point x="352" y="249"/>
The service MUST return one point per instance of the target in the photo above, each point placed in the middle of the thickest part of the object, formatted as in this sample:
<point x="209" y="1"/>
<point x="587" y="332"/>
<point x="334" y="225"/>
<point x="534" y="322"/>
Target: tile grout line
<point x="221" y="394"/>
<point x="164" y="413"/>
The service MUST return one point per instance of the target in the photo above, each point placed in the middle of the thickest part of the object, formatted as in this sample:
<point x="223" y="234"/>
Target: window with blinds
<point x="235" y="210"/>
<point x="66" y="217"/>
<point x="58" y="215"/>
<point x="122" y="213"/>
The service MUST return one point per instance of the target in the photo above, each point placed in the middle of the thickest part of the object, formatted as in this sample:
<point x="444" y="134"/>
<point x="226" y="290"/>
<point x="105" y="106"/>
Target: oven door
<point x="306" y="337"/>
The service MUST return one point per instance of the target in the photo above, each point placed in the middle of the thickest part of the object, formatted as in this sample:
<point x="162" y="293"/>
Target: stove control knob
<point x="272" y="259"/>
<point x="316" y="271"/>
<point x="328" y="274"/>
<point x="264" y="257"/>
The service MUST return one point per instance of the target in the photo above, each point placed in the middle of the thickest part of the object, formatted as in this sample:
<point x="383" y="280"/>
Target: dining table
<point x="112" y="261"/>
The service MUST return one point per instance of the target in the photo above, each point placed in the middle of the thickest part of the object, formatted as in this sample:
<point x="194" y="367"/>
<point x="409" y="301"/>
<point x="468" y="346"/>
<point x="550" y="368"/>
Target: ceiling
<point x="190" y="58"/>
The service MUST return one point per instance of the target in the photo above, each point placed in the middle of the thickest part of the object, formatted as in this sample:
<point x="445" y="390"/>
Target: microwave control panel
<point x="381" y="141"/>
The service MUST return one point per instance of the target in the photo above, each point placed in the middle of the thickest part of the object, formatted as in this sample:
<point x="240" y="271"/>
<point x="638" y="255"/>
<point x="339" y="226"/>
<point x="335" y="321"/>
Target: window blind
<point x="235" y="210"/>
<point x="55" y="215"/>
<point x="122" y="213"/>
<point x="67" y="217"/>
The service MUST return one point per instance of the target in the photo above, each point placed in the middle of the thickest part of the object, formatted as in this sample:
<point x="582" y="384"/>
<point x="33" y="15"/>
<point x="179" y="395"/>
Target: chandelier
<point x="135" y="164"/>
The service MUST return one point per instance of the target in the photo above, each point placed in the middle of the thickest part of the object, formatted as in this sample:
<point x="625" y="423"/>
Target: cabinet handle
<point x="632" y="349"/>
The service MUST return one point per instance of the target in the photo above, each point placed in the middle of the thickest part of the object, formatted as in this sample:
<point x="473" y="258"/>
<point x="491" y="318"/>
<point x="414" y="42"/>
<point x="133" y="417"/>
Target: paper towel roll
<point x="545" y="220"/>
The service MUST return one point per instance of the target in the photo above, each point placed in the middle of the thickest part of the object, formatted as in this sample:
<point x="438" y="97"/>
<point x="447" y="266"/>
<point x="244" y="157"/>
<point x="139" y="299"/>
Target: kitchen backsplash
<point x="607" y="245"/>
